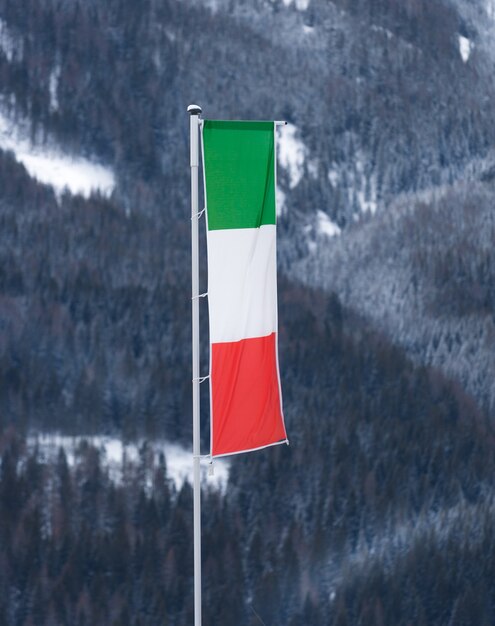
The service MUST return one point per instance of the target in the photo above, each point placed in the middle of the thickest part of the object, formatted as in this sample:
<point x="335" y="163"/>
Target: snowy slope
<point x="376" y="269"/>
<point x="117" y="456"/>
<point x="49" y="164"/>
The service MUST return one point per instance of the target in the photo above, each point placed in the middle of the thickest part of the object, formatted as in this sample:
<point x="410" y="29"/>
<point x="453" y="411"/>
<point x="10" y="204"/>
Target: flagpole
<point x="194" y="112"/>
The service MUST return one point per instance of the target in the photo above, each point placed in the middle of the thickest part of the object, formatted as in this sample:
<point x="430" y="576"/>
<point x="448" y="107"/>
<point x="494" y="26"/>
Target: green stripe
<point x="239" y="174"/>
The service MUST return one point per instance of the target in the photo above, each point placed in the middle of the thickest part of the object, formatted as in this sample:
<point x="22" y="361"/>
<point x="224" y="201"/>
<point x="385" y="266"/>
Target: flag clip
<point x="198" y="215"/>
<point x="211" y="468"/>
<point x="201" y="295"/>
<point x="201" y="379"/>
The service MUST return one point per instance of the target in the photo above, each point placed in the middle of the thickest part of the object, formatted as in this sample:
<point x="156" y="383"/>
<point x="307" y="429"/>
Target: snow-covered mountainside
<point x="48" y="164"/>
<point x="424" y="273"/>
<point x="382" y="102"/>
<point x="386" y="313"/>
<point x="120" y="458"/>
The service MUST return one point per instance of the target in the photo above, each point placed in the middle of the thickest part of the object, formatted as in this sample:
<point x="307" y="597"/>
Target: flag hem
<point x="276" y="290"/>
<point x="267" y="445"/>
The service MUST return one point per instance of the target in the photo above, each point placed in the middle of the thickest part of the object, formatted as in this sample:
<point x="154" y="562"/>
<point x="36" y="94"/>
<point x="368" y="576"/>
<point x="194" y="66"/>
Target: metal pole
<point x="195" y="112"/>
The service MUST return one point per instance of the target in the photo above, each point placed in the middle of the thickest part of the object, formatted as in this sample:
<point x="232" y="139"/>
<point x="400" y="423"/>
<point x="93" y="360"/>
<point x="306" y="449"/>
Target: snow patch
<point x="465" y="47"/>
<point x="280" y="202"/>
<point x="78" y="175"/>
<point x="325" y="225"/>
<point x="313" y="168"/>
<point x="10" y="44"/>
<point x="53" y="87"/>
<point x="312" y="247"/>
<point x="385" y="31"/>
<point x="362" y="191"/>
<point x="301" y="5"/>
<point x="333" y="177"/>
<point x="360" y="184"/>
<point x="51" y="166"/>
<point x="366" y="205"/>
<point x="213" y="5"/>
<point x="291" y="153"/>
<point x="115" y="455"/>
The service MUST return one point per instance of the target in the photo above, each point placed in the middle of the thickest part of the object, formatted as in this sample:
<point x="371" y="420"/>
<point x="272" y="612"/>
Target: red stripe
<point x="246" y="407"/>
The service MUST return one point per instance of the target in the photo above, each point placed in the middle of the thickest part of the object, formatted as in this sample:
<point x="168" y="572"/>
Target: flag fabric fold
<point x="245" y="392"/>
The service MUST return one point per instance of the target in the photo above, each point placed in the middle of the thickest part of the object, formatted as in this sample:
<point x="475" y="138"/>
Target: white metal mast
<point x="194" y="112"/>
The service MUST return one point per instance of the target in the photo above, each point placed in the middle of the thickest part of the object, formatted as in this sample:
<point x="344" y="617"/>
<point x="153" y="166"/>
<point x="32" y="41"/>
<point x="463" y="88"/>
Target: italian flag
<point x="245" y="394"/>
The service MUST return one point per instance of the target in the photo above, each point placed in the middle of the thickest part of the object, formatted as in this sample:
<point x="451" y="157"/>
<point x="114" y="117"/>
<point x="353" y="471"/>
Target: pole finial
<point x="194" y="109"/>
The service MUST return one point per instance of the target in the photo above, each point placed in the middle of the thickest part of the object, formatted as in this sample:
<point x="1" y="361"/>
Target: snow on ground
<point x="313" y="168"/>
<point x="301" y="5"/>
<point x="115" y="455"/>
<point x="362" y="190"/>
<point x="366" y="205"/>
<point x="361" y="185"/>
<point x="325" y="225"/>
<point x="50" y="165"/>
<point x="380" y="29"/>
<point x="9" y="43"/>
<point x="291" y="153"/>
<point x="464" y="48"/>
<point x="280" y="201"/>
<point x="334" y="177"/>
<point x="53" y="86"/>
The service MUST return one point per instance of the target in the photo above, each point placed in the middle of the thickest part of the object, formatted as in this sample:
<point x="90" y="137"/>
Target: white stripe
<point x="242" y="283"/>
